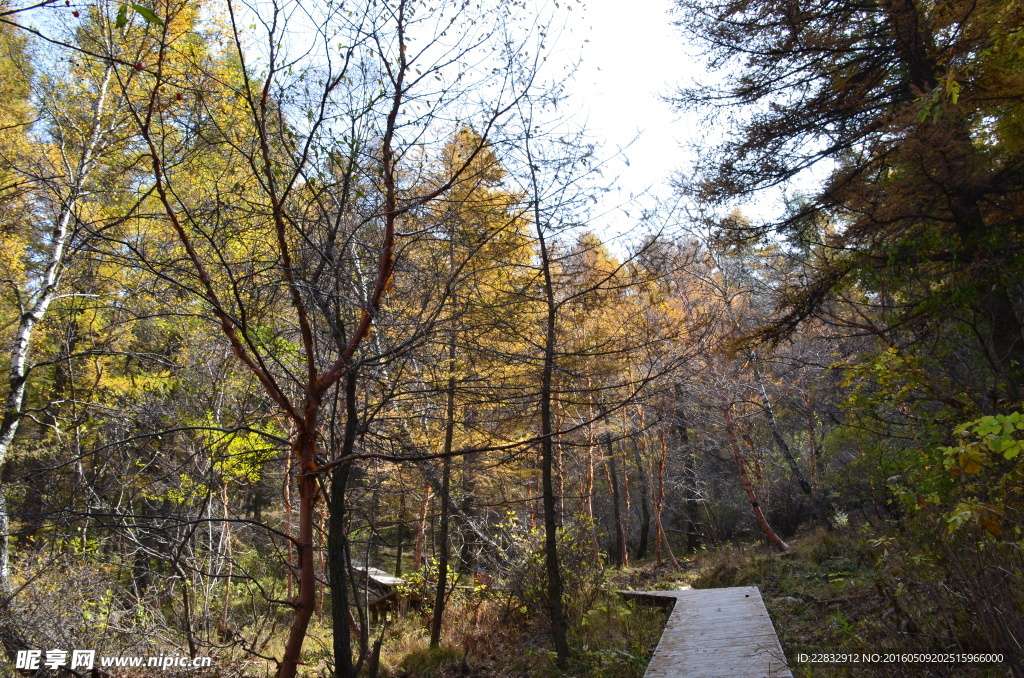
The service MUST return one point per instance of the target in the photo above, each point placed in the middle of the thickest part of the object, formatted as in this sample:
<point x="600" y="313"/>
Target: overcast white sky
<point x="632" y="58"/>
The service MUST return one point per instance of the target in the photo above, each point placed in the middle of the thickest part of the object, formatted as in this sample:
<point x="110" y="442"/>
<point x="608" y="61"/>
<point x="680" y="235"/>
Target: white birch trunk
<point x="33" y="311"/>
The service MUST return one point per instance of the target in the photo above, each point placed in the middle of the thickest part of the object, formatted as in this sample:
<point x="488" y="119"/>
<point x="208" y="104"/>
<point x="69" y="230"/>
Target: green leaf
<point x="148" y="14"/>
<point x="1012" y="450"/>
<point x="122" y="17"/>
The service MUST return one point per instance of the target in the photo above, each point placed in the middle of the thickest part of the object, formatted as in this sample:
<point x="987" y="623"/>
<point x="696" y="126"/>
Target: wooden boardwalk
<point x="716" y="633"/>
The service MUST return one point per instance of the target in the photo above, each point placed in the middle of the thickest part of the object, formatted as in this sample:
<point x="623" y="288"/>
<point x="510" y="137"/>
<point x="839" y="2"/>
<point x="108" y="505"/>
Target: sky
<point x="631" y="56"/>
<point x="630" y="61"/>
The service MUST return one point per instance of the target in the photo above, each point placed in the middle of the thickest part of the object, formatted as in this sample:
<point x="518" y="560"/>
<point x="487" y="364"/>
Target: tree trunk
<point x="644" y="475"/>
<point x="692" y="508"/>
<point x="421" y="531"/>
<point x="556" y="611"/>
<point x="442" y="558"/>
<point x="627" y="508"/>
<point x="588" y="482"/>
<point x="660" y="538"/>
<point x="337" y="564"/>
<point x="337" y="544"/>
<point x="559" y="471"/>
<point x="621" y="555"/>
<point x="816" y="500"/>
<point x="751" y="496"/>
<point x="286" y="493"/>
<point x="755" y="456"/>
<point x="812" y="445"/>
<point x="305" y="603"/>
<point x="226" y="601"/>
<point x="400" y="547"/>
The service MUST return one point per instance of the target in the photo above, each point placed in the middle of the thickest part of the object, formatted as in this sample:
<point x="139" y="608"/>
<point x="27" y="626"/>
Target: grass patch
<point x="430" y="662"/>
<point x="614" y="639"/>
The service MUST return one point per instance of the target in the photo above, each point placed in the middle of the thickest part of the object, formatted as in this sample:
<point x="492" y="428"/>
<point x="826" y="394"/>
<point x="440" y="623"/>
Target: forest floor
<point x="615" y="639"/>
<point x="822" y="596"/>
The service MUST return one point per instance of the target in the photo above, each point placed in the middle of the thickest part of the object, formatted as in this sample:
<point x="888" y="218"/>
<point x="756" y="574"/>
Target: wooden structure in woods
<point x="377" y="578"/>
<point x="385" y="596"/>
<point x="715" y="633"/>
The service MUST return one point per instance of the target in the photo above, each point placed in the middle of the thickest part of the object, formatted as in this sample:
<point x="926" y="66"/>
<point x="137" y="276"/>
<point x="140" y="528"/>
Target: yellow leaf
<point x="971" y="460"/>
<point x="991" y="524"/>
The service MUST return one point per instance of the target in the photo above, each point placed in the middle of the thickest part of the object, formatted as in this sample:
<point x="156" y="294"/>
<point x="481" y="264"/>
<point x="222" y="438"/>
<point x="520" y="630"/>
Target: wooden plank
<point x="717" y="633"/>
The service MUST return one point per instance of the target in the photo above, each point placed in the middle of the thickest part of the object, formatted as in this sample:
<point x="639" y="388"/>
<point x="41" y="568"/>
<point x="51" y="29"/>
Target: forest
<point x="316" y="362"/>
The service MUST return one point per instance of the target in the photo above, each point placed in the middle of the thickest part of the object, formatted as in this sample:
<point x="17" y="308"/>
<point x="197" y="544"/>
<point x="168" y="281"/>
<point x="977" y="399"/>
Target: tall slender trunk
<point x="186" y="605"/>
<point x="627" y="508"/>
<point x="337" y="543"/>
<point x="556" y="611"/>
<point x="817" y="502"/>
<point x="559" y="471"/>
<point x="322" y="557"/>
<point x="442" y="545"/>
<point x="641" y="455"/>
<point x="5" y="563"/>
<point x="400" y="546"/>
<point x="467" y="554"/>
<point x="421" y="530"/>
<point x="226" y="600"/>
<point x="745" y="480"/>
<point x="588" y="482"/>
<point x="692" y="508"/>
<point x="620" y="551"/>
<point x="286" y="493"/>
<point x="812" y="445"/>
<point x="660" y="538"/>
<point x="645" y="512"/>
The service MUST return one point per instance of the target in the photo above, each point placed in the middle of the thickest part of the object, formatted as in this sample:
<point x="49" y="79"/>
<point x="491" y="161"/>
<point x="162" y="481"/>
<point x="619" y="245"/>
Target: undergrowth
<point x="831" y="594"/>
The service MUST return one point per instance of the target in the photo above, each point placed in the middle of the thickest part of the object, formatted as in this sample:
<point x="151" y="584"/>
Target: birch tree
<point x="62" y="161"/>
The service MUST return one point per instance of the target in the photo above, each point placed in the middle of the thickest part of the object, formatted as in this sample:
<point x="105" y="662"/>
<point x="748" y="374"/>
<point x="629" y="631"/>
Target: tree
<point x="484" y="239"/>
<point x="328" y="151"/>
<point x="915" y="105"/>
<point x="58" y="173"/>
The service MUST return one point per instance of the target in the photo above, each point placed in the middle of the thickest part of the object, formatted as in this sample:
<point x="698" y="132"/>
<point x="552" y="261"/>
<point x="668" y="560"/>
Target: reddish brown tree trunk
<point x="305" y="603"/>
<point x="747" y="486"/>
